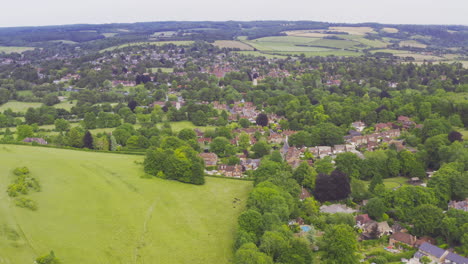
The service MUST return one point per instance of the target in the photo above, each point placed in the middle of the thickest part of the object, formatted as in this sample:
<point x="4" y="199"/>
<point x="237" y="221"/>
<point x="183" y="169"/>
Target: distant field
<point x="156" y="43"/>
<point x="64" y="41"/>
<point x="412" y="43"/>
<point x="109" y="35"/>
<point x="390" y="30"/>
<point x="361" y="31"/>
<point x="232" y="44"/>
<point x="166" y="70"/>
<point x="67" y="105"/>
<point x="14" y="49"/>
<point x="323" y="53"/>
<point x="288" y="43"/>
<point x="416" y="56"/>
<point x="262" y="54"/>
<point x="306" y="33"/>
<point x="334" y="43"/>
<point x="96" y="208"/>
<point x="18" y="106"/>
<point x="25" y="93"/>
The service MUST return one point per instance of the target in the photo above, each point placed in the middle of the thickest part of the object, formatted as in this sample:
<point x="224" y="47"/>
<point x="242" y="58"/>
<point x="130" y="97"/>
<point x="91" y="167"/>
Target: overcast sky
<point x="59" y="12"/>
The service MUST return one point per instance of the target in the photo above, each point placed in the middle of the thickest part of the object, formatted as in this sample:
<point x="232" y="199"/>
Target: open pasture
<point x="16" y="106"/>
<point x="97" y="208"/>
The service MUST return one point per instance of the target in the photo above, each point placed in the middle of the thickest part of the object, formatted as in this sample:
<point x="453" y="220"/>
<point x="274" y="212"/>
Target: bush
<point x="21" y="171"/>
<point x="379" y="260"/>
<point x="26" y="203"/>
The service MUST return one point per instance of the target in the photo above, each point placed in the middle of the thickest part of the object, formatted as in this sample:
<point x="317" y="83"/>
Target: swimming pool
<point x="305" y="228"/>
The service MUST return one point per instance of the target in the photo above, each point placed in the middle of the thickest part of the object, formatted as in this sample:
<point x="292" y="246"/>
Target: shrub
<point x="21" y="171"/>
<point x="26" y="203"/>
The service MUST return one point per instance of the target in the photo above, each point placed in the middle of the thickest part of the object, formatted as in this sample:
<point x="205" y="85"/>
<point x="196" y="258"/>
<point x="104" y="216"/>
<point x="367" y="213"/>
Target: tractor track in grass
<point x="141" y="242"/>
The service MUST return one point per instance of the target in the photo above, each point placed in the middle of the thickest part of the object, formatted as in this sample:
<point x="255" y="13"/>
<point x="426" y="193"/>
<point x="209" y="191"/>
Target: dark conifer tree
<point x="132" y="105"/>
<point x="88" y="140"/>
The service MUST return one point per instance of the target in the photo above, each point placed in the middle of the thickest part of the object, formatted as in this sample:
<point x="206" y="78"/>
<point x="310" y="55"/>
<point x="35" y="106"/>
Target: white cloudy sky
<point x="57" y="12"/>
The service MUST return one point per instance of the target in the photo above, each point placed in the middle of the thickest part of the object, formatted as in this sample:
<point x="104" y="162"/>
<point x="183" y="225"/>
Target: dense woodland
<point x="316" y="100"/>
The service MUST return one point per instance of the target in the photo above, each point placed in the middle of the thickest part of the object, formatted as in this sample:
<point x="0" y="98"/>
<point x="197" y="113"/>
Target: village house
<point x="205" y="141"/>
<point x="374" y="230"/>
<point x="358" y="126"/>
<point x="234" y="171"/>
<point x="37" y="140"/>
<point x="405" y="122"/>
<point x="439" y="255"/>
<point x="275" y="138"/>
<point x="337" y="149"/>
<point x="324" y="151"/>
<point x="362" y="219"/>
<point x="250" y="164"/>
<point x="461" y="205"/>
<point x="211" y="159"/>
<point x="199" y="132"/>
<point x="401" y="238"/>
<point x="383" y="126"/>
<point x="304" y="194"/>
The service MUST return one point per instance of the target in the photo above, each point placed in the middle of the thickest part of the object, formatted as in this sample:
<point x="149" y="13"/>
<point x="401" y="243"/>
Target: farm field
<point x="233" y="44"/>
<point x="18" y="106"/>
<point x="390" y="30"/>
<point x="156" y="43"/>
<point x="97" y="208"/>
<point x="261" y="54"/>
<point x="67" y="105"/>
<point x="14" y="49"/>
<point x="412" y="43"/>
<point x="322" y="53"/>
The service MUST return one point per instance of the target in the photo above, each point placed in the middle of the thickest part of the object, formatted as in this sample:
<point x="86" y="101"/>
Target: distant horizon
<point x="31" y="13"/>
<point x="256" y="20"/>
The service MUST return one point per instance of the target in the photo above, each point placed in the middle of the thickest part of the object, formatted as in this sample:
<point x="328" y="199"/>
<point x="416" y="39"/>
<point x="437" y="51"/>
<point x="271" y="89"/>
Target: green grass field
<point x="96" y="208"/>
<point x="177" y="126"/>
<point x="18" y="106"/>
<point x="67" y="105"/>
<point x="14" y="49"/>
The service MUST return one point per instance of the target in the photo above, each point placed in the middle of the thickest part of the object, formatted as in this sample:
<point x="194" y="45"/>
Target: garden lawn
<point x="97" y="208"/>
<point x="177" y="126"/>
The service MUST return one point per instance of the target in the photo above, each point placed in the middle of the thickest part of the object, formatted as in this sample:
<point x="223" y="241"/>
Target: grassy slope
<point x="18" y="106"/>
<point x="95" y="208"/>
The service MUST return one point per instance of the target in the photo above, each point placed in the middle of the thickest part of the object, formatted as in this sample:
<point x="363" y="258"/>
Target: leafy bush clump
<point x="48" y="259"/>
<point x="26" y="203"/>
<point x="23" y="182"/>
<point x="21" y="171"/>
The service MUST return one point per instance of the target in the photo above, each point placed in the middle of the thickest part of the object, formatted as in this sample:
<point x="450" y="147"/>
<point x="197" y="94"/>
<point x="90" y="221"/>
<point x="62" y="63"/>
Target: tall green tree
<point x="340" y="245"/>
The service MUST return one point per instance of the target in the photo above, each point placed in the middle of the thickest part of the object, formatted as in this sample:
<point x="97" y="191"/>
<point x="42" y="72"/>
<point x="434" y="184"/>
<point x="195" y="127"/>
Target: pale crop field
<point x="8" y="50"/>
<point x="232" y="44"/>
<point x="390" y="30"/>
<point x="97" y="208"/>
<point x="412" y="44"/>
<point x="361" y="31"/>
